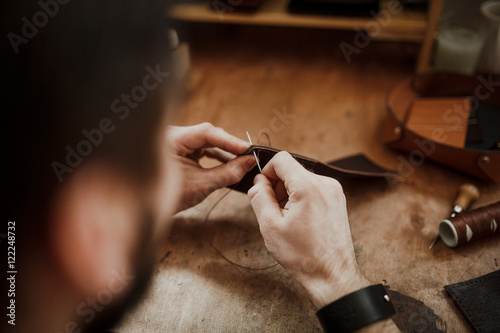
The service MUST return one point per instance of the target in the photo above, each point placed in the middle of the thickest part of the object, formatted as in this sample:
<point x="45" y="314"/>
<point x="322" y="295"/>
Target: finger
<point x="280" y="192"/>
<point x="196" y="155"/>
<point x="219" y="154"/>
<point x="229" y="173"/>
<point x="283" y="167"/>
<point x="206" y="135"/>
<point x="263" y="201"/>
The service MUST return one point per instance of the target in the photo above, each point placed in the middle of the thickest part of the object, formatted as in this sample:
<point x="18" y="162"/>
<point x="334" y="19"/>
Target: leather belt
<point x="357" y="166"/>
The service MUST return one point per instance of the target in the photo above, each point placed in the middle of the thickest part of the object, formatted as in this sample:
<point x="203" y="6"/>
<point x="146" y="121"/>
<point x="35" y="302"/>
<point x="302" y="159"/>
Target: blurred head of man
<point x="83" y="175"/>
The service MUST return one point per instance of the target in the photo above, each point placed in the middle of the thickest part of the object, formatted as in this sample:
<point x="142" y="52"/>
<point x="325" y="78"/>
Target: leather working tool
<point x="466" y="195"/>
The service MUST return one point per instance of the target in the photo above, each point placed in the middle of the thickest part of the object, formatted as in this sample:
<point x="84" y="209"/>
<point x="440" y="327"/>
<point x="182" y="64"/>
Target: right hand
<point x="303" y="220"/>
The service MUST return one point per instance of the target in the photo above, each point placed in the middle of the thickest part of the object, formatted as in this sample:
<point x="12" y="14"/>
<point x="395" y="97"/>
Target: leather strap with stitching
<point x="350" y="167"/>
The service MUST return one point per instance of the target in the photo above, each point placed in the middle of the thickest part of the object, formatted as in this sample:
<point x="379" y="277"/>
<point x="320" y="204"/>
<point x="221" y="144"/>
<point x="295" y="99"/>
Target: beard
<point x="113" y="313"/>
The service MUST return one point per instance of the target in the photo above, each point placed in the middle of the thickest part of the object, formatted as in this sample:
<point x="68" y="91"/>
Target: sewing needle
<point x="254" y="154"/>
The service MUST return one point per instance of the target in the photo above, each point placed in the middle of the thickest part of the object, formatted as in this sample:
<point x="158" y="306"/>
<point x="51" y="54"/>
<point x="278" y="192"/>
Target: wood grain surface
<point x="296" y="86"/>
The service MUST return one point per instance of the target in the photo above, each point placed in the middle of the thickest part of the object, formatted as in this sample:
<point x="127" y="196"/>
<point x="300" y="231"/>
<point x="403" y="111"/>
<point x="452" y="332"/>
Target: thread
<point x="219" y="252"/>
<point x="470" y="226"/>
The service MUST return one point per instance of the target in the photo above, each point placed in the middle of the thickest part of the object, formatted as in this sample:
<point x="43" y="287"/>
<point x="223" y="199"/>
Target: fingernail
<point x="258" y="178"/>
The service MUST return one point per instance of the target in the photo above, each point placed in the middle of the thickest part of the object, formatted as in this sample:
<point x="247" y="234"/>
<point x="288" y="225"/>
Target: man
<point x="90" y="179"/>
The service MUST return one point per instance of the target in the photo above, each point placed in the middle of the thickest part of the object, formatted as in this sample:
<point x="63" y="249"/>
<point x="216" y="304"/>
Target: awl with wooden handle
<point x="466" y="195"/>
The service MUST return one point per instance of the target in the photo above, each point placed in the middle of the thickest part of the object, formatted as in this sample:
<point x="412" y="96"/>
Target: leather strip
<point x="479" y="301"/>
<point x="356" y="310"/>
<point x="351" y="167"/>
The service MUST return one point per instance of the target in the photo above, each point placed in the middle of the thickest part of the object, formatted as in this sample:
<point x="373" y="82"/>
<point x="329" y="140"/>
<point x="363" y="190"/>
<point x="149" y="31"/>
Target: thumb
<point x="231" y="172"/>
<point x="264" y="203"/>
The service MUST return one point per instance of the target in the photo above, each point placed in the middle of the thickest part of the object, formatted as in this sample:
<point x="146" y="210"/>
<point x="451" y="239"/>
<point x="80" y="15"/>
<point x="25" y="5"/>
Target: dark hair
<point x="66" y="69"/>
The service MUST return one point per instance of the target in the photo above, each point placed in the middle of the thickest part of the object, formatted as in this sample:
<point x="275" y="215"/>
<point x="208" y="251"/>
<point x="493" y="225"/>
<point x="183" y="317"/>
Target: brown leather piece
<point x="453" y="85"/>
<point x="392" y="130"/>
<point x="469" y="161"/>
<point x="490" y="164"/>
<point x="357" y="166"/>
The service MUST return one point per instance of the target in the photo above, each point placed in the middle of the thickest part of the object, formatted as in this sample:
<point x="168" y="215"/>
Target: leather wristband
<point x="356" y="310"/>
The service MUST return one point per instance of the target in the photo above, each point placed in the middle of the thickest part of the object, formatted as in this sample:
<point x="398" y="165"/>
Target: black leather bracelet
<point x="356" y="310"/>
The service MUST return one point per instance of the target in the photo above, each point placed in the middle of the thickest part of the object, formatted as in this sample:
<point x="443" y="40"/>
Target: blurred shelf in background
<point x="407" y="25"/>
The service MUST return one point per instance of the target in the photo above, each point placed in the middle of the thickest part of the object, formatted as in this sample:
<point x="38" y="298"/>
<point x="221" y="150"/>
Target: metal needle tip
<point x="434" y="241"/>
<point x="254" y="154"/>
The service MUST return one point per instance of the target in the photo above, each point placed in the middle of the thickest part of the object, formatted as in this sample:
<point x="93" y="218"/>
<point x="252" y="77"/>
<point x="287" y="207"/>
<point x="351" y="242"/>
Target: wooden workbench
<point x="241" y="78"/>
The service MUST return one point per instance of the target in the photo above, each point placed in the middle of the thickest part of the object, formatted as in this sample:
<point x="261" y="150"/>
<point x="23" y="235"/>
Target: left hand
<point x="189" y="144"/>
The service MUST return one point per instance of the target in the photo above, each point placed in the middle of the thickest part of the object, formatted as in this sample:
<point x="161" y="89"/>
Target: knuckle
<point x="321" y="185"/>
<point x="301" y="185"/>
<point x="234" y="173"/>
<point x="334" y="185"/>
<point x="282" y="155"/>
<point x="205" y="127"/>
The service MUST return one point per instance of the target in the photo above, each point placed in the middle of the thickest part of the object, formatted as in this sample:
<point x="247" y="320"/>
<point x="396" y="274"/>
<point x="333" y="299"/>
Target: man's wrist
<point x="326" y="291"/>
<point x="357" y="310"/>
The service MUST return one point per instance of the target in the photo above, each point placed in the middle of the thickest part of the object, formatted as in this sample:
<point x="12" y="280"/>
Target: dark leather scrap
<point x="357" y="166"/>
<point x="479" y="301"/>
